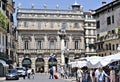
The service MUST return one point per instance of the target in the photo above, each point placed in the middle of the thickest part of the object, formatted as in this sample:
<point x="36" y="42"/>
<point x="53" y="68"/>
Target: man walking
<point x="79" y="75"/>
<point x="51" y="73"/>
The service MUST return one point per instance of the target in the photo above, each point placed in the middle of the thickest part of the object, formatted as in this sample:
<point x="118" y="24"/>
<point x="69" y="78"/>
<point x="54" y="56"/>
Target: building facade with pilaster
<point x="38" y="38"/>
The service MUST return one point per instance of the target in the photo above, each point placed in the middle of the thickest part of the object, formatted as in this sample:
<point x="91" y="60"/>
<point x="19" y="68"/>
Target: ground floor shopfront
<point x="42" y="62"/>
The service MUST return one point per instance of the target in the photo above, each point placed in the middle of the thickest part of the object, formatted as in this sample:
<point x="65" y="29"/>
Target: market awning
<point x="3" y="63"/>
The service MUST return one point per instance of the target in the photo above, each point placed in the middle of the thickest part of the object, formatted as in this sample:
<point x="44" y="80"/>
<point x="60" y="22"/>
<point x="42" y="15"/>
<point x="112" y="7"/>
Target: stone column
<point x="33" y="46"/>
<point x="20" y="43"/>
<point x="20" y="61"/>
<point x="33" y="63"/>
<point x="46" y="46"/>
<point x="62" y="34"/>
<point x="70" y="42"/>
<point x="46" y="64"/>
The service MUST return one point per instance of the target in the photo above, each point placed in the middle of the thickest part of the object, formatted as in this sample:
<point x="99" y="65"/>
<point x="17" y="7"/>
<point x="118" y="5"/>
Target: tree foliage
<point x="118" y="30"/>
<point x="3" y="20"/>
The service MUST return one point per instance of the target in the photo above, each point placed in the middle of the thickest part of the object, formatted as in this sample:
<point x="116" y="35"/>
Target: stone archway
<point x="26" y="62"/>
<point x="39" y="65"/>
<point x="52" y="62"/>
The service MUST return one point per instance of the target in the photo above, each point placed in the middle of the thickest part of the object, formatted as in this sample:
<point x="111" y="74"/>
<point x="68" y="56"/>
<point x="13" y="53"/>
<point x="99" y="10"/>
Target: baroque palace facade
<point x="38" y="38"/>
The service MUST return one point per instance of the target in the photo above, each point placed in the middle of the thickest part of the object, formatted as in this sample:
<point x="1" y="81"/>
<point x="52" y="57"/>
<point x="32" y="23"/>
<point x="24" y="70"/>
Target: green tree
<point x="3" y="20"/>
<point x="118" y="30"/>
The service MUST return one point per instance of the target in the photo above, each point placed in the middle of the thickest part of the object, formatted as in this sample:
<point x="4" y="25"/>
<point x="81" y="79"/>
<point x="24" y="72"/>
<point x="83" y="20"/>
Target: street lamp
<point x="62" y="34"/>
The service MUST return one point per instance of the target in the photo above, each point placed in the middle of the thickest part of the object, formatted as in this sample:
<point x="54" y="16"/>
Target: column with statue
<point x="62" y="34"/>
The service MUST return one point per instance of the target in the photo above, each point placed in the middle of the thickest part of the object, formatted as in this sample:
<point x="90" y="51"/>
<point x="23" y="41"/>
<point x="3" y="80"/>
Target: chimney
<point x="103" y="3"/>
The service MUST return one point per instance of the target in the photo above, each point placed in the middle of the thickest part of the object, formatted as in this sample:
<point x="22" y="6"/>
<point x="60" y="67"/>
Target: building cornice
<point x="49" y="11"/>
<point x="107" y="6"/>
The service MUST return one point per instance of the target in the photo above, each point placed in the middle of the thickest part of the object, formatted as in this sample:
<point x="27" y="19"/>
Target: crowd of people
<point x="81" y="74"/>
<point x="55" y="74"/>
<point x="95" y="75"/>
<point x="101" y="74"/>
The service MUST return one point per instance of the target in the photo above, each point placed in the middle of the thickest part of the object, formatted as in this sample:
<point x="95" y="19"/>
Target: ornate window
<point x="52" y="25"/>
<point x="64" y="25"/>
<point x="26" y="43"/>
<point x="76" y="44"/>
<point x="76" y="25"/>
<point x="39" y="45"/>
<point x="25" y="24"/>
<point x="39" y="24"/>
<point x="66" y="43"/>
<point x="52" y="44"/>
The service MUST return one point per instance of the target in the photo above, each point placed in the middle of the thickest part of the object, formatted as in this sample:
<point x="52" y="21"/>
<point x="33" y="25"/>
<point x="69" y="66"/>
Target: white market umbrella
<point x="81" y="64"/>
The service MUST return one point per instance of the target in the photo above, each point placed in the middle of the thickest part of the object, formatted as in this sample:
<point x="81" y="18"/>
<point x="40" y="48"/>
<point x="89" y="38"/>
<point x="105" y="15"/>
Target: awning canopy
<point x="96" y="61"/>
<point x="3" y="63"/>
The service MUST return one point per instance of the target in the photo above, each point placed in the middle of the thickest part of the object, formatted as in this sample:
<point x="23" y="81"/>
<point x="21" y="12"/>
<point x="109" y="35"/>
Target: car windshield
<point x="20" y="68"/>
<point x="11" y="71"/>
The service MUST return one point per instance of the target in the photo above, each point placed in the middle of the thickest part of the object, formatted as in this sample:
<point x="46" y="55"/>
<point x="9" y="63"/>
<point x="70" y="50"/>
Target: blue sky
<point x="63" y="4"/>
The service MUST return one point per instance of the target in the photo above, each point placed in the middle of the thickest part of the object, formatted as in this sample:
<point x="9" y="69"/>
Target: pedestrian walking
<point x="92" y="75"/>
<point x="51" y="73"/>
<point x="100" y="74"/>
<point x="112" y="75"/>
<point x="32" y="73"/>
<point x="24" y="74"/>
<point x="89" y="78"/>
<point x="84" y="76"/>
<point x="62" y="72"/>
<point x="28" y="73"/>
<point x="79" y="75"/>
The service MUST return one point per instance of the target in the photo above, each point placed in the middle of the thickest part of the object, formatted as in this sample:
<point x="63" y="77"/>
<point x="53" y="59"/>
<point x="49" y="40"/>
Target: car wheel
<point x="17" y="79"/>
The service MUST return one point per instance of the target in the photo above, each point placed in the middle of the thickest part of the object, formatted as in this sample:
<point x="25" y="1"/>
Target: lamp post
<point x="62" y="34"/>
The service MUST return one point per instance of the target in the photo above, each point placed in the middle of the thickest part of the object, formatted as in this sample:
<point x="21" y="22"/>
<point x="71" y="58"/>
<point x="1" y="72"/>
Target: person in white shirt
<point x="29" y="73"/>
<point x="97" y="74"/>
<point x="100" y="73"/>
<point x="79" y="75"/>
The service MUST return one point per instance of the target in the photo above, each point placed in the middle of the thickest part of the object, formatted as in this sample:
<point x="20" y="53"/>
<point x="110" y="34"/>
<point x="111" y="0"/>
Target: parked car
<point x="12" y="74"/>
<point x="21" y="71"/>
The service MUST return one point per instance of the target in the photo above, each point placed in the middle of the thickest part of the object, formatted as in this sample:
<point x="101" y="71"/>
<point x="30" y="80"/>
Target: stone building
<point x="10" y="41"/>
<point x="6" y="8"/>
<point x="38" y="41"/>
<point x="107" y="24"/>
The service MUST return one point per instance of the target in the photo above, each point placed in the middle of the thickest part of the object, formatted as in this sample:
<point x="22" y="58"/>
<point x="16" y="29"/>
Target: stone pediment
<point x="26" y="37"/>
<point x="39" y="37"/>
<point x="52" y="38"/>
<point x="76" y="38"/>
